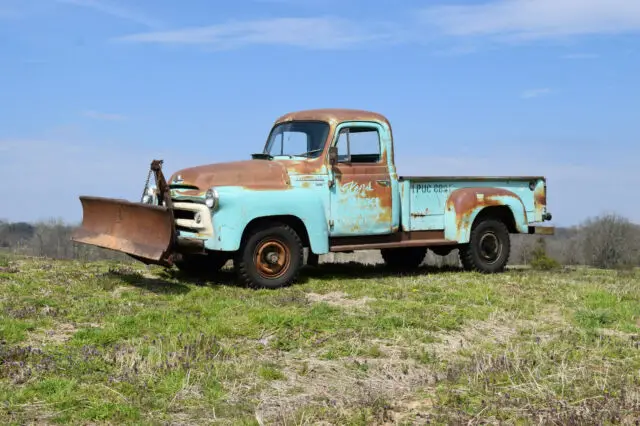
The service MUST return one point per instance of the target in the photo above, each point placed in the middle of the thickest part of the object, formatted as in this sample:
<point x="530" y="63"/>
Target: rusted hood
<point x="251" y="173"/>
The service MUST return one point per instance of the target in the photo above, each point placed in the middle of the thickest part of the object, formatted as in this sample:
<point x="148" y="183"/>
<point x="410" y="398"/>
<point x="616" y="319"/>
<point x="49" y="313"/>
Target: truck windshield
<point x="297" y="139"/>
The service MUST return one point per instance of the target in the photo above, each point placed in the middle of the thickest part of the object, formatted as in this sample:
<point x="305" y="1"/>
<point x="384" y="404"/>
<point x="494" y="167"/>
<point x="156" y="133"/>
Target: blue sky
<point x="92" y="90"/>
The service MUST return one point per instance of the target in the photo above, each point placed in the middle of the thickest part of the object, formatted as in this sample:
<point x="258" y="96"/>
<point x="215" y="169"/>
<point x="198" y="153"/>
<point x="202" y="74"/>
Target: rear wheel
<point x="270" y="257"/>
<point x="488" y="249"/>
<point x="404" y="258"/>
<point x="202" y="264"/>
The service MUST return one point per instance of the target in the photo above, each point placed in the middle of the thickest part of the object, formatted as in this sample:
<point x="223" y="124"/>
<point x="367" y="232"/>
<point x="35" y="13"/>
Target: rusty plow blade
<point x="143" y="231"/>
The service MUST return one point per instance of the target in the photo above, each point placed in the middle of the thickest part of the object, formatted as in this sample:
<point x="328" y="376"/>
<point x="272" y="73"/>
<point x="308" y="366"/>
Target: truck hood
<point x="263" y="174"/>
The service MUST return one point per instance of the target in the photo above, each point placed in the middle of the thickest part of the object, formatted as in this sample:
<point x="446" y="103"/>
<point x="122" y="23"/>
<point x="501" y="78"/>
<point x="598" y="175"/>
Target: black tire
<point x="270" y="257"/>
<point x="488" y="249"/>
<point x="200" y="265"/>
<point x="404" y="258"/>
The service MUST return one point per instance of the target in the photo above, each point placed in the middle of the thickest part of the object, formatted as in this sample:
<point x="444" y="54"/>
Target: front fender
<point x="238" y="206"/>
<point x="464" y="205"/>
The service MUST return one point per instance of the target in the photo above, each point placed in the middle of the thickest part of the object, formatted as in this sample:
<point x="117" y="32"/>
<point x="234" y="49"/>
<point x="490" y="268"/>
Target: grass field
<point x="351" y="344"/>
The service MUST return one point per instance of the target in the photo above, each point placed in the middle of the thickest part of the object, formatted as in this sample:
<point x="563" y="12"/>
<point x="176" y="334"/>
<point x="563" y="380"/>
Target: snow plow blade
<point x="143" y="231"/>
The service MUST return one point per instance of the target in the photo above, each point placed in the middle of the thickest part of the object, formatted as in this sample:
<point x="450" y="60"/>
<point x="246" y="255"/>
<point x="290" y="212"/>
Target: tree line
<point x="605" y="241"/>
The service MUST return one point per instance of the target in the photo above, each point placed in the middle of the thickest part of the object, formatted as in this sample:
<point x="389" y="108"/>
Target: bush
<point x="540" y="260"/>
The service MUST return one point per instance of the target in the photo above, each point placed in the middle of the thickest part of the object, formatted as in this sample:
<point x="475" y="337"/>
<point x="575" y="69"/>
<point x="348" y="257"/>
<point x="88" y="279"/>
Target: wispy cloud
<point x="535" y="93"/>
<point x="534" y="19"/>
<point x="103" y="116"/>
<point x="311" y="33"/>
<point x="576" y="56"/>
<point x="505" y="20"/>
<point x="116" y="11"/>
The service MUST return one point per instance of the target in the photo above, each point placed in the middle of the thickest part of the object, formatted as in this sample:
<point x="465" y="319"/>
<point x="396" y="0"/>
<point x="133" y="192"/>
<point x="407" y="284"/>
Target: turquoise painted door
<point x="361" y="202"/>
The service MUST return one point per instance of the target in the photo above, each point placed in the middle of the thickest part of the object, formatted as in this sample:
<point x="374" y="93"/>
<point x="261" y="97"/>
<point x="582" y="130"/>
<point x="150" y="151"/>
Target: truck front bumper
<point x="542" y="230"/>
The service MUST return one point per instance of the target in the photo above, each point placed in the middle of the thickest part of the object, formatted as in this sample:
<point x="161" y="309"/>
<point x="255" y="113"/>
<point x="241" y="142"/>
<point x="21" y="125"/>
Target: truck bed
<point x="423" y="199"/>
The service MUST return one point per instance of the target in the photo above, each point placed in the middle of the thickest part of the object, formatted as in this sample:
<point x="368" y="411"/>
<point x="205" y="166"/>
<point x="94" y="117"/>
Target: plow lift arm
<point x="145" y="232"/>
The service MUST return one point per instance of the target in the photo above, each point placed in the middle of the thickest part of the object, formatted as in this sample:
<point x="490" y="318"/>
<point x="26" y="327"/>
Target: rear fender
<point x="239" y="206"/>
<point x="464" y="205"/>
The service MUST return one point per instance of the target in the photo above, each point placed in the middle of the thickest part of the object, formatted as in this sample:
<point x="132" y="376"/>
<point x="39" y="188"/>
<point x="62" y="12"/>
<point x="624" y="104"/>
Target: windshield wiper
<point x="262" y="156"/>
<point x="306" y="154"/>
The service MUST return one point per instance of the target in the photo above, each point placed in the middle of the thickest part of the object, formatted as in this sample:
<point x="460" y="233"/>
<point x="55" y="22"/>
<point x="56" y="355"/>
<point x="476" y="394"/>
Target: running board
<point x="392" y="244"/>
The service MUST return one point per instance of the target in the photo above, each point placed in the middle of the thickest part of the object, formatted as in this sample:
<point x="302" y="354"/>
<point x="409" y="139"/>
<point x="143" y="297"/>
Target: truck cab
<point x="326" y="181"/>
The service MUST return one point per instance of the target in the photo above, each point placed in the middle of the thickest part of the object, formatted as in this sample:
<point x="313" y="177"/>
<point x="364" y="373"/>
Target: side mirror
<point x="333" y="155"/>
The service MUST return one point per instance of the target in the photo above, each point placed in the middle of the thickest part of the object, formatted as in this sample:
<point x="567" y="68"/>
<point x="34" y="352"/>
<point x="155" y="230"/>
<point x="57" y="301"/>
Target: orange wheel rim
<point x="272" y="259"/>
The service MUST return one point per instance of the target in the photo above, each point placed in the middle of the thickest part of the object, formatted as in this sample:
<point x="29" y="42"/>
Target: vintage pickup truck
<point x="325" y="181"/>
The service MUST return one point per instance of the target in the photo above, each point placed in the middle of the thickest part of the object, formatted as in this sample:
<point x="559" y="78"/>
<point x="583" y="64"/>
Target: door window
<point x="359" y="145"/>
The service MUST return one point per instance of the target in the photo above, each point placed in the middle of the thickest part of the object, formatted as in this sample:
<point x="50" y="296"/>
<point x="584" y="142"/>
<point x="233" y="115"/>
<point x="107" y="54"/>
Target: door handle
<point x="383" y="182"/>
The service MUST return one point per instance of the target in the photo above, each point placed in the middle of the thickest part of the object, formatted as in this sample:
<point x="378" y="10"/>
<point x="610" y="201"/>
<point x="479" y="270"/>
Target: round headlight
<point x="211" y="198"/>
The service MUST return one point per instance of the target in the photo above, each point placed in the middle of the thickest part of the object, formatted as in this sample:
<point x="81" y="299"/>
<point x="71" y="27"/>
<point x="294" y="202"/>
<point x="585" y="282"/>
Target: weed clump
<point x="540" y="259"/>
<point x="6" y="265"/>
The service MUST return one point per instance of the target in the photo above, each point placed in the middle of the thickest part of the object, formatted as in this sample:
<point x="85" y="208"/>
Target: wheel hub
<point x="490" y="247"/>
<point x="272" y="259"/>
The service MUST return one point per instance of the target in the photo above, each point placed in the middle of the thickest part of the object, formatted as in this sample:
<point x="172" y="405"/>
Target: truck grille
<point x="193" y="217"/>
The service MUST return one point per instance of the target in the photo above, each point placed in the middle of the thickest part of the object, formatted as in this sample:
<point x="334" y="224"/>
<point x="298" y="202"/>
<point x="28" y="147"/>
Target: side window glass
<point x="359" y="145"/>
<point x="343" y="152"/>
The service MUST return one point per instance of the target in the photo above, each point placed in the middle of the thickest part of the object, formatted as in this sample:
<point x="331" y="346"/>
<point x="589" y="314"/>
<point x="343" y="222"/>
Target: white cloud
<point x="535" y="19"/>
<point x="104" y="116"/>
<point x="114" y="10"/>
<point x="535" y="93"/>
<point x="312" y="33"/>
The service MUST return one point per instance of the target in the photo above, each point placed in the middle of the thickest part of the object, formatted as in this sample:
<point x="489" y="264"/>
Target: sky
<point x="92" y="90"/>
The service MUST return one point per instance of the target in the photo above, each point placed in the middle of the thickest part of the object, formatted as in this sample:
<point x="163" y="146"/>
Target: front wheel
<point x="270" y="258"/>
<point x="488" y="249"/>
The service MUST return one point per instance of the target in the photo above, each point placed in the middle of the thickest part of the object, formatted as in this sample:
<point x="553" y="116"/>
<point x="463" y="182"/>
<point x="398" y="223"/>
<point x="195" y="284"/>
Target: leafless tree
<point x="610" y="241"/>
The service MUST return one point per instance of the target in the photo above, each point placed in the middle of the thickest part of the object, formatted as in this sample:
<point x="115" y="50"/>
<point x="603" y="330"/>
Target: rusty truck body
<point x="325" y="181"/>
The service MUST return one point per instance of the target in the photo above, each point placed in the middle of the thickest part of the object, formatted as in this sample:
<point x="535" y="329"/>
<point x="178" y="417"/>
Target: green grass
<point x="102" y="342"/>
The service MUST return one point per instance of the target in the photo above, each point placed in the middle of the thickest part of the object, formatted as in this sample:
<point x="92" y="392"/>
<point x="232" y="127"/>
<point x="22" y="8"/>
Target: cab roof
<point x="334" y="115"/>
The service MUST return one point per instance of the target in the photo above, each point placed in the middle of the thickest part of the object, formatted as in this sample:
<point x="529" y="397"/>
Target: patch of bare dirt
<point x="499" y="328"/>
<point x="61" y="333"/>
<point x="409" y="411"/>
<point x="390" y="384"/>
<point x="492" y="330"/>
<point x="620" y="334"/>
<point x="341" y="385"/>
<point x="340" y="299"/>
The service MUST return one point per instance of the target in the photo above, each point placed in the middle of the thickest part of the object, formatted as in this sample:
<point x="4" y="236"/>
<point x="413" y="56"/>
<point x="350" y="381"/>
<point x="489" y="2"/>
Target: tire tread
<point x="243" y="266"/>
<point x="467" y="255"/>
